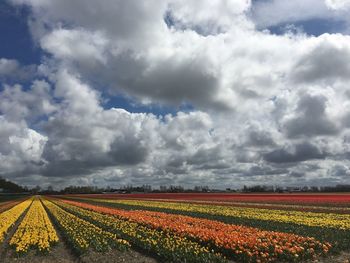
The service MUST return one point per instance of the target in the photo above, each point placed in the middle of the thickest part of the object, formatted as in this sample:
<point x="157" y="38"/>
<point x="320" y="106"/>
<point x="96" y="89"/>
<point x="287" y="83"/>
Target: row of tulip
<point x="9" y="217"/>
<point x="7" y="205"/>
<point x="278" y="206"/>
<point x="340" y="199"/>
<point x="35" y="231"/>
<point x="170" y="247"/>
<point x="82" y="234"/>
<point x="245" y="244"/>
<point x="325" y="220"/>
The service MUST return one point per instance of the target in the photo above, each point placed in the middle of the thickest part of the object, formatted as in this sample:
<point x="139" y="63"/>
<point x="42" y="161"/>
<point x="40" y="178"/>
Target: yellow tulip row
<point x="7" y="205"/>
<point x="82" y="234"/>
<point x="9" y="217"/>
<point x="329" y="220"/>
<point x="35" y="230"/>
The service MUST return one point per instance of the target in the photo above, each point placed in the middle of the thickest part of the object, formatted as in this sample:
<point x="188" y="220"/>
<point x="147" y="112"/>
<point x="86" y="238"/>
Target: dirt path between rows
<point x="343" y="257"/>
<point x="115" y="256"/>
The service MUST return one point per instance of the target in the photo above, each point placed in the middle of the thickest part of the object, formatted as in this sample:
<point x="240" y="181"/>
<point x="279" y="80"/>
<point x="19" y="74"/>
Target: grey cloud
<point x="81" y="148"/>
<point x="228" y="171"/>
<point x="340" y="171"/>
<point x="345" y="120"/>
<point x="327" y="61"/>
<point x="169" y="80"/>
<point x="20" y="148"/>
<point x="296" y="174"/>
<point x="298" y="153"/>
<point x="17" y="104"/>
<point x="243" y="155"/>
<point x="70" y="168"/>
<point x="259" y="138"/>
<point x="129" y="152"/>
<point x="205" y="155"/>
<point x="311" y="118"/>
<point x="214" y="166"/>
<point x="187" y="81"/>
<point x="82" y="137"/>
<point x="176" y="161"/>
<point x="264" y="170"/>
<point x="12" y="70"/>
<point x="85" y="139"/>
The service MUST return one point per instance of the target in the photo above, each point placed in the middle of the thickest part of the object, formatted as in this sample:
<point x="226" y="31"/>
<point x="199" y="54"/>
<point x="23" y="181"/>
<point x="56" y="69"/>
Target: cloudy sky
<point x="212" y="92"/>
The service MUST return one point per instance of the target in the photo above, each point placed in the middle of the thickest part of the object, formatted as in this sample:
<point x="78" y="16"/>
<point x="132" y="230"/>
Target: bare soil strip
<point x="115" y="256"/>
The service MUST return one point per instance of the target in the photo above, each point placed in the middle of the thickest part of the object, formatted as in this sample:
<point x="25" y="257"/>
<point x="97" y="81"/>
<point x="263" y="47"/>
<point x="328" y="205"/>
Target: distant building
<point x="2" y="190"/>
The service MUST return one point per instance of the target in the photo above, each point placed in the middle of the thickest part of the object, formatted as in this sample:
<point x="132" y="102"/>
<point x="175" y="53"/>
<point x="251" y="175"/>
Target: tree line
<point x="10" y="187"/>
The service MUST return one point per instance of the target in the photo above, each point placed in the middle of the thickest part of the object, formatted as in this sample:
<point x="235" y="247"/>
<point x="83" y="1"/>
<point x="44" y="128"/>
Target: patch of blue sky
<point x="314" y="27"/>
<point x="134" y="106"/>
<point x="16" y="41"/>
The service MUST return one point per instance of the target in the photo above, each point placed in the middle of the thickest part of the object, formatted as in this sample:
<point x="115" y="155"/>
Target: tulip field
<point x="176" y="228"/>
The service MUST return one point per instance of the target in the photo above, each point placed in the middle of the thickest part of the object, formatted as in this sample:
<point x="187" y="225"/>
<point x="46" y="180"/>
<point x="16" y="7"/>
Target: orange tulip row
<point x="236" y="242"/>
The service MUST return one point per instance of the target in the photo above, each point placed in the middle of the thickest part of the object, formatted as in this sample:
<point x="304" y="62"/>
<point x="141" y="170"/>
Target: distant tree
<point x="147" y="188"/>
<point x="10" y="187"/>
<point x="36" y="189"/>
<point x="245" y="188"/>
<point x="315" y="189"/>
<point x="163" y="188"/>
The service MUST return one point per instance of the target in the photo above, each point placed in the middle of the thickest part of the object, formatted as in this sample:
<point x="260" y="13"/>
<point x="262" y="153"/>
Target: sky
<point x="223" y="93"/>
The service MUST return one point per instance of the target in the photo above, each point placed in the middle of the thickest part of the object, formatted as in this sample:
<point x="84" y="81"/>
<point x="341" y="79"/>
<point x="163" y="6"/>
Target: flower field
<point x="340" y="221"/>
<point x="35" y="230"/>
<point x="171" y="230"/>
<point x="82" y="234"/>
<point x="9" y="217"/>
<point x="304" y="199"/>
<point x="238" y="242"/>
<point x="7" y="205"/>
